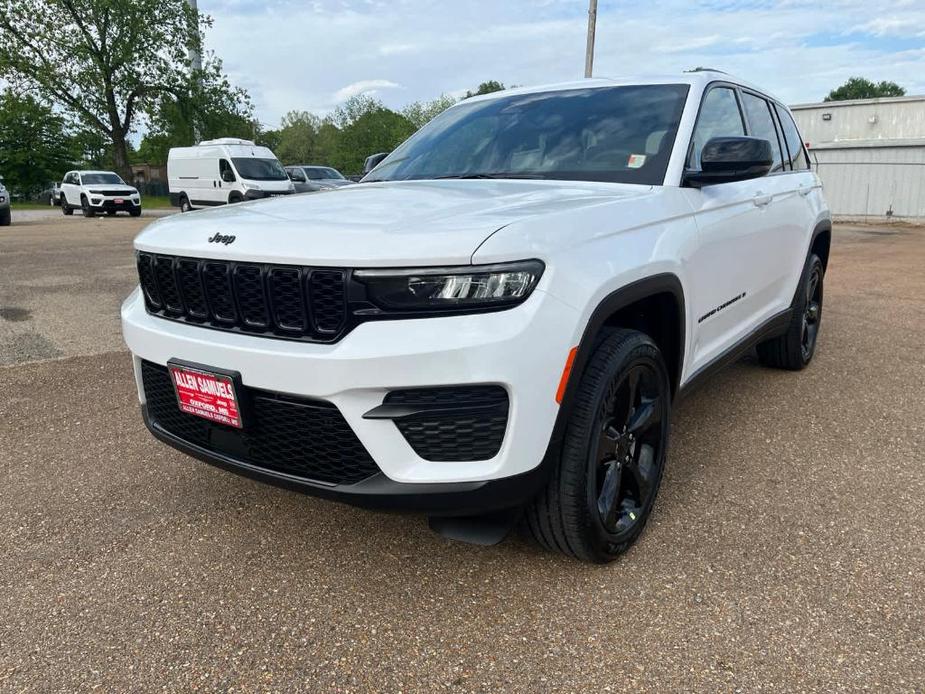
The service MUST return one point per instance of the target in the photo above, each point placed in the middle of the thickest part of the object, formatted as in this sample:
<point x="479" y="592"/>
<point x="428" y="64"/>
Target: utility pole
<point x="589" y="51"/>
<point x="195" y="60"/>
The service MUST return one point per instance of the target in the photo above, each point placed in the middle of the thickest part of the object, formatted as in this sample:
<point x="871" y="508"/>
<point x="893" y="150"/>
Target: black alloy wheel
<point x="629" y="450"/>
<point x="812" y="314"/>
<point x="602" y="490"/>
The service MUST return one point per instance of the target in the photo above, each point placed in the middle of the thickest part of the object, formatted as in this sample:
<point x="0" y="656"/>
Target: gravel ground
<point x="786" y="551"/>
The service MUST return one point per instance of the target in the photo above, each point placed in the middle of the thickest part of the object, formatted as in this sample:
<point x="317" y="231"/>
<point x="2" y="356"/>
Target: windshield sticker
<point x="636" y="161"/>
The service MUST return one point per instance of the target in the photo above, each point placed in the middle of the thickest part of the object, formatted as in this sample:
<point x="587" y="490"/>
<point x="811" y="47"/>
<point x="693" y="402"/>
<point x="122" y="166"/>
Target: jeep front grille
<point x="255" y="298"/>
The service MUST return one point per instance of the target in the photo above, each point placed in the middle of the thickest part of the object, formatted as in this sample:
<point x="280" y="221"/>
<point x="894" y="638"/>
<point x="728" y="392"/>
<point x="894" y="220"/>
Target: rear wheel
<point x="601" y="493"/>
<point x="184" y="204"/>
<point x="794" y="349"/>
<point x="85" y="207"/>
<point x="65" y="208"/>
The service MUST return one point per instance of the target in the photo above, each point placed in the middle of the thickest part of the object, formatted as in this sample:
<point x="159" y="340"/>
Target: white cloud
<point x="291" y="54"/>
<point x="363" y="87"/>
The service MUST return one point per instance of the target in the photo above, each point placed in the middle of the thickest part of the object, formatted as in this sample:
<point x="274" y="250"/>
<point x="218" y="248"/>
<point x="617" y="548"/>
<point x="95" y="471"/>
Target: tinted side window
<point x="794" y="143"/>
<point x="719" y="117"/>
<point x="762" y="125"/>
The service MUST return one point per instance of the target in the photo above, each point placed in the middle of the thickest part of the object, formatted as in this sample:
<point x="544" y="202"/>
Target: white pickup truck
<point x="494" y="325"/>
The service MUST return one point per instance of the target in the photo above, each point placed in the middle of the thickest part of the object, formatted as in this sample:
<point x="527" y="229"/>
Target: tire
<point x="135" y="211"/>
<point x="795" y="348"/>
<point x="85" y="207"/>
<point x="65" y="208"/>
<point x="184" y="204"/>
<point x="601" y="492"/>
<point x="235" y="198"/>
<point x="6" y="217"/>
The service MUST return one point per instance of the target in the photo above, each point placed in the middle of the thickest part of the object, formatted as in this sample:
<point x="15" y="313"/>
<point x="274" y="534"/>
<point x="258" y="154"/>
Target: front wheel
<point x="86" y="209"/>
<point x="795" y="348"/>
<point x="135" y="211"/>
<point x="6" y="217"/>
<point x="601" y="493"/>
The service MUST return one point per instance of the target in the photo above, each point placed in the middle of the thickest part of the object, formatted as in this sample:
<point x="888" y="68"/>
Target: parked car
<point x="496" y="324"/>
<point x="98" y="192"/>
<point x="309" y="178"/>
<point x="224" y="171"/>
<point x="6" y="217"/>
<point x="51" y="195"/>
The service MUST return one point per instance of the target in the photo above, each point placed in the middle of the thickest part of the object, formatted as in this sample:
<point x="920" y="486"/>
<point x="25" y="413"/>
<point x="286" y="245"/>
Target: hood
<point x="373" y="224"/>
<point x="120" y="187"/>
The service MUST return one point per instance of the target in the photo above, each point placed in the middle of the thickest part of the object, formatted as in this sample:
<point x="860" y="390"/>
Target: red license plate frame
<point x="119" y="201"/>
<point x="209" y="393"/>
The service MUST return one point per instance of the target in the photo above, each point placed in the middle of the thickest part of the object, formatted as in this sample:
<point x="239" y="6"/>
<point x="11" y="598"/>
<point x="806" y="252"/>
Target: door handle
<point x="805" y="189"/>
<point x="762" y="200"/>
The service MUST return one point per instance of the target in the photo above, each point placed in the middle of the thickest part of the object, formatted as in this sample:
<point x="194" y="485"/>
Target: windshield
<point x="96" y="179"/>
<point x="619" y="134"/>
<point x="321" y="173"/>
<point x="259" y="169"/>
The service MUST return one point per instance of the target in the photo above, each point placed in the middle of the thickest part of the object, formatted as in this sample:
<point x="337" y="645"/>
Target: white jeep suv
<point x="95" y="192"/>
<point x="494" y="325"/>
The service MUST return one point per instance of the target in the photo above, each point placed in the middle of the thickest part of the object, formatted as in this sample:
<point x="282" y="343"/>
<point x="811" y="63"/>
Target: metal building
<point x="870" y="154"/>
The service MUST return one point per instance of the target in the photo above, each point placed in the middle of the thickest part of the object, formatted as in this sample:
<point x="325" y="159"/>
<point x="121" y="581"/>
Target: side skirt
<point x="776" y="325"/>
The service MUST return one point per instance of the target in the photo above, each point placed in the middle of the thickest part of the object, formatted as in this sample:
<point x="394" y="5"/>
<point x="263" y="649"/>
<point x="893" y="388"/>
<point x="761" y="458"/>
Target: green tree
<point x="486" y="88"/>
<point x="298" y="138"/>
<point x="108" y="63"/>
<point x="361" y="126"/>
<point x="34" y="147"/>
<point x="420" y="113"/>
<point x="861" y="88"/>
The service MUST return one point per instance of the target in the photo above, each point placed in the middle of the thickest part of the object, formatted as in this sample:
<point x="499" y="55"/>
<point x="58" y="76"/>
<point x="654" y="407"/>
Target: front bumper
<point x="523" y="350"/>
<point x="261" y="194"/>
<point x="109" y="203"/>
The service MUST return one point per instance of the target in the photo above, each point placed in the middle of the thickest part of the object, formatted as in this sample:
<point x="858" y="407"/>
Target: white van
<point x="227" y="170"/>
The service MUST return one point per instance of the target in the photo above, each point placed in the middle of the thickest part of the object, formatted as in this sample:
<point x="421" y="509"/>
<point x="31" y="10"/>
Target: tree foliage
<point x="862" y="88"/>
<point x="34" y="148"/>
<point x="486" y="88"/>
<point x="111" y="63"/>
<point x="420" y="113"/>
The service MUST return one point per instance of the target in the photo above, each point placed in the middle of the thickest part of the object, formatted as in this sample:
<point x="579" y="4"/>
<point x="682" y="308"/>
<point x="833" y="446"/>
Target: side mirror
<point x="728" y="159"/>
<point x="228" y="176"/>
<point x="373" y="161"/>
<point x="297" y="176"/>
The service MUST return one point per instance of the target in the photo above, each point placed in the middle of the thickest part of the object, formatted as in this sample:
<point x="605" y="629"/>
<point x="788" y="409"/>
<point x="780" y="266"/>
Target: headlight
<point x="95" y="192"/>
<point x="452" y="288"/>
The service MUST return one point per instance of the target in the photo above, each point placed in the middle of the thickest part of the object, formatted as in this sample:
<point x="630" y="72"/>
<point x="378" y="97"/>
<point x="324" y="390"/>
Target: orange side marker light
<point x="563" y="382"/>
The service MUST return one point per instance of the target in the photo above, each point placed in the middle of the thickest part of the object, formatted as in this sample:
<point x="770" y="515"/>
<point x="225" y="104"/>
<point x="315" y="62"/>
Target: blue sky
<point x="312" y="54"/>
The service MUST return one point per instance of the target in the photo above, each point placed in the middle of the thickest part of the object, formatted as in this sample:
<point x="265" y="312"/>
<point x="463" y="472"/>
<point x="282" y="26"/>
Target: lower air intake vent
<point x="454" y="424"/>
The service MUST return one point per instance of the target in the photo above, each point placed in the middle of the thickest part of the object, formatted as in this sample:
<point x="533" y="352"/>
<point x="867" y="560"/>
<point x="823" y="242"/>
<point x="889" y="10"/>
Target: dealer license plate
<point x="206" y="394"/>
<point x="119" y="201"/>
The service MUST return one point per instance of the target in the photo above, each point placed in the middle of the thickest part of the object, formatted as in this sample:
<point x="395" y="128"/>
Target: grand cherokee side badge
<point x="219" y="238"/>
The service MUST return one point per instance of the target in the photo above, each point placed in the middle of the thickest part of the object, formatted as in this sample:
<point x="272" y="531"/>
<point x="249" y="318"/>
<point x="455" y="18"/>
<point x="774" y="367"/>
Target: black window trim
<point x="718" y="84"/>
<point x="781" y="107"/>
<point x="739" y="89"/>
<point x="778" y="132"/>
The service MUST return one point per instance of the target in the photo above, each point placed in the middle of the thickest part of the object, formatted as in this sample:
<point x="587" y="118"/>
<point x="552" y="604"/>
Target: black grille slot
<point x="287" y="299"/>
<point x="252" y="299"/>
<point x="148" y="282"/>
<point x="309" y="439"/>
<point x="326" y="288"/>
<point x="167" y="284"/>
<point x="190" y="282"/>
<point x="465" y="422"/>
<point x="217" y="282"/>
<point x="281" y="300"/>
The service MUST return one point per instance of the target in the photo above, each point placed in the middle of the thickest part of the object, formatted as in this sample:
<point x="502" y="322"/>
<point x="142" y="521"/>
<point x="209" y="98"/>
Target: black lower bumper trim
<point x="379" y="492"/>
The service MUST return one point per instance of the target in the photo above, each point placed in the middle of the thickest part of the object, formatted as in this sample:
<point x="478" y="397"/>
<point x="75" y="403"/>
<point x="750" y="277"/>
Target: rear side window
<point x="719" y="117"/>
<point x="795" y="148"/>
<point x="758" y="112"/>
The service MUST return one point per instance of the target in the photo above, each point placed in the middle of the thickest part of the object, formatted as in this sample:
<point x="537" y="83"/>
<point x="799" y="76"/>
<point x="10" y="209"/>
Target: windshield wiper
<point x="500" y="174"/>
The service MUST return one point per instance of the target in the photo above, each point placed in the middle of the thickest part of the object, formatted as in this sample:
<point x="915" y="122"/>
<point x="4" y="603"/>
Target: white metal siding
<point x="873" y="181"/>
